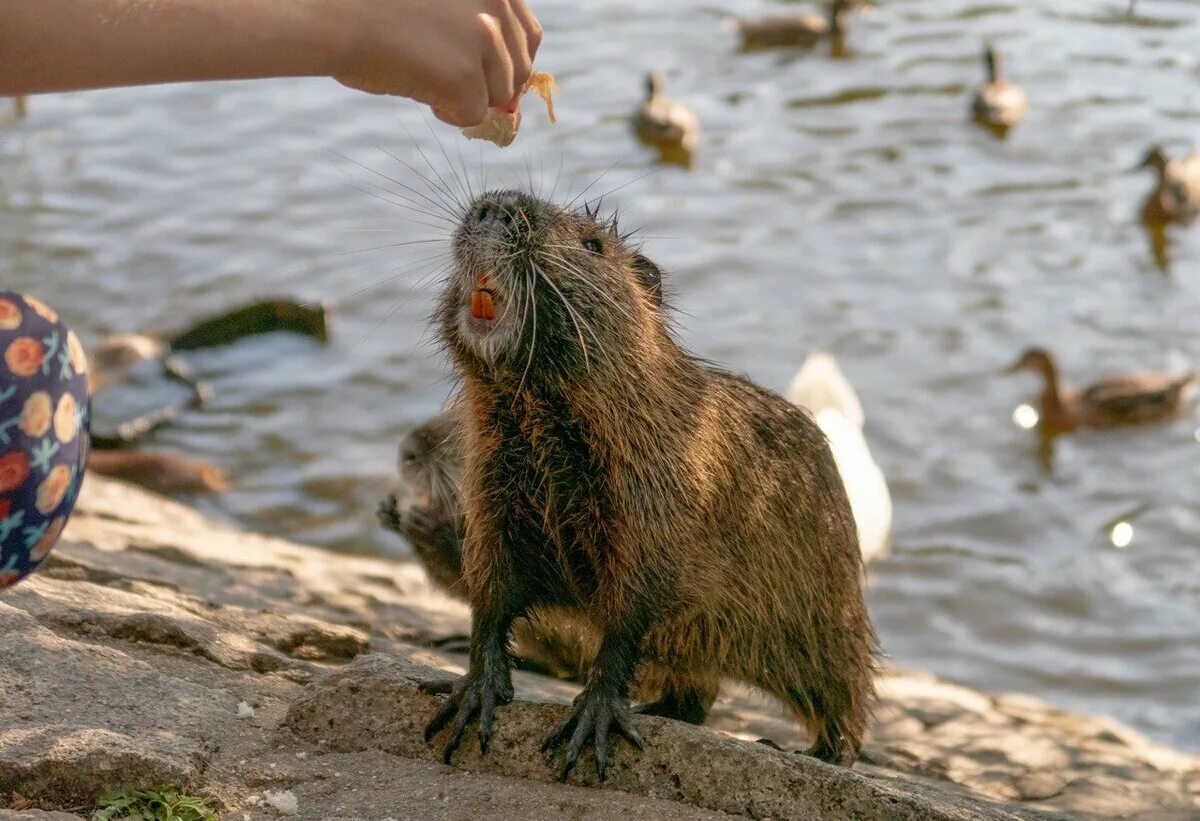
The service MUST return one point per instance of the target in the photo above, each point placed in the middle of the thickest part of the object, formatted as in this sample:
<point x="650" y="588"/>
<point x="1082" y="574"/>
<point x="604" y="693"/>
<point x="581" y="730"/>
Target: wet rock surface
<point x="161" y="647"/>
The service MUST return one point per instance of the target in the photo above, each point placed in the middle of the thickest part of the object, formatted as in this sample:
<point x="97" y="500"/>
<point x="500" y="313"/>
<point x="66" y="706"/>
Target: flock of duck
<point x="998" y="104"/>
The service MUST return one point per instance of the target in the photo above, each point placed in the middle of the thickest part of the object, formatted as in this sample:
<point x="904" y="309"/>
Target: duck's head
<point x="655" y="83"/>
<point x="1033" y="359"/>
<point x="992" y="62"/>
<point x="1155" y="157"/>
<point x="840" y="11"/>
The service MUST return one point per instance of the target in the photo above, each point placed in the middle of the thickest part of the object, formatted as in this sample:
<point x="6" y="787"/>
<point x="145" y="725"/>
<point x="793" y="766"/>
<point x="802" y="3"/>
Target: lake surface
<point x="836" y="204"/>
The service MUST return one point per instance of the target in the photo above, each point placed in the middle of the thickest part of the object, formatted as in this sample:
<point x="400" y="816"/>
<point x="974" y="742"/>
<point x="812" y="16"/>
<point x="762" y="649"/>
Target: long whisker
<point x="575" y="318"/>
<point x="389" y="245"/>
<point x="625" y="185"/>
<point x="446" y="212"/>
<point x="382" y="198"/>
<point x="588" y="187"/>
<point x="531" y="299"/>
<point x="583" y="278"/>
<point x="442" y="187"/>
<point x="402" y="270"/>
<point x="449" y="163"/>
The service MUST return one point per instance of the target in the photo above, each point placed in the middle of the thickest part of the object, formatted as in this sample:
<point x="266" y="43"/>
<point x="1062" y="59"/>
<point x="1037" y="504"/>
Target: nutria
<point x="693" y="521"/>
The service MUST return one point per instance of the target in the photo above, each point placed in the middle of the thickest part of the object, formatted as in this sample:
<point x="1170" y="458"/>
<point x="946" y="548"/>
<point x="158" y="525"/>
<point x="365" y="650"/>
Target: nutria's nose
<point x="497" y="208"/>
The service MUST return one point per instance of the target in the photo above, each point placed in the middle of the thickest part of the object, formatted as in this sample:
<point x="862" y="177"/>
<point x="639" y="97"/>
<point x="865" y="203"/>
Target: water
<point x="844" y="205"/>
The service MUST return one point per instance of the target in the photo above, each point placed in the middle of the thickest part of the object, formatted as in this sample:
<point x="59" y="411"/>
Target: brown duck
<point x="999" y="103"/>
<point x="1175" y="197"/>
<point x="1123" y="399"/>
<point x="800" y="31"/>
<point x="669" y="126"/>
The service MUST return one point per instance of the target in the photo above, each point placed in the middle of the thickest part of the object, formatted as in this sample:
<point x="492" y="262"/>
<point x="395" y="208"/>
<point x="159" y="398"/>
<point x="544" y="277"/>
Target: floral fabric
<point x="44" y="431"/>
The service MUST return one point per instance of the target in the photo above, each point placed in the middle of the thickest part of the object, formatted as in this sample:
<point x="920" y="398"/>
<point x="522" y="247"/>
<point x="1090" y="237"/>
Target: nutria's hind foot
<point x="843" y="755"/>
<point x="474" y="694"/>
<point x="594" y="713"/>
<point x="690" y="707"/>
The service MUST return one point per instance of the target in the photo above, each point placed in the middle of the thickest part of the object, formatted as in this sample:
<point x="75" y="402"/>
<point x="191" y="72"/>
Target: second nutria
<point x="694" y="522"/>
<point x="427" y="512"/>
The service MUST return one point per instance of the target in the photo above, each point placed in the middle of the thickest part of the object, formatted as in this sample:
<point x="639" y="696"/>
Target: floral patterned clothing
<point x="44" y="431"/>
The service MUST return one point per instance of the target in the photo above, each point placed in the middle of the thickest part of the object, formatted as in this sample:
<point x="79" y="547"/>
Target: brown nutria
<point x="428" y="514"/>
<point x="694" y="521"/>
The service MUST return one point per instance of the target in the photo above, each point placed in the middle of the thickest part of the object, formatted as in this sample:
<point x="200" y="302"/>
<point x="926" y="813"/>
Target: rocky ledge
<point x="159" y="647"/>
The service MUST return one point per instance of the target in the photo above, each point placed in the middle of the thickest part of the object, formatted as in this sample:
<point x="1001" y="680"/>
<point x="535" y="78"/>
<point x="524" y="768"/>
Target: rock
<point x="79" y="718"/>
<point x="376" y="703"/>
<point x="124" y="663"/>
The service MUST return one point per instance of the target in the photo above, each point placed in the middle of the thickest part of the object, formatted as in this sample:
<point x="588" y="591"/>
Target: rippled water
<point x="844" y="205"/>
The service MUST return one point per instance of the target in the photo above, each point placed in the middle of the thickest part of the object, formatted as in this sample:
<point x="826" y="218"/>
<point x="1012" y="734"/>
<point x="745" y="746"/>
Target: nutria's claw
<point x="436" y="687"/>
<point x="388" y="512"/>
<point x="593" y="715"/>
<point x="474" y="694"/>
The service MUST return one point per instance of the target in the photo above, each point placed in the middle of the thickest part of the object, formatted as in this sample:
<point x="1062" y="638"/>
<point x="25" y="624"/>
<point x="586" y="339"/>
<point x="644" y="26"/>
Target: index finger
<point x="533" y="29"/>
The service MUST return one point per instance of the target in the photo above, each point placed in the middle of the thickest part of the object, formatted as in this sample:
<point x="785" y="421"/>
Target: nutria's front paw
<point x="419" y="525"/>
<point x="388" y="513"/>
<point x="593" y="715"/>
<point x="473" y="694"/>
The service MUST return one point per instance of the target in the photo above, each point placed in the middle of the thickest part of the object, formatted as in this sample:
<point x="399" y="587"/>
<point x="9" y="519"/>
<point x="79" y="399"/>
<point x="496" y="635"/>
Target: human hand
<point x="460" y="57"/>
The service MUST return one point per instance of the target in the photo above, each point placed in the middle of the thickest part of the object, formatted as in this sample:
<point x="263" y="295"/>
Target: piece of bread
<point x="500" y="126"/>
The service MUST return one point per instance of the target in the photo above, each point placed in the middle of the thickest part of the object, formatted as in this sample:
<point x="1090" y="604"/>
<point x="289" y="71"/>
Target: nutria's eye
<point x="594" y="245"/>
<point x="410" y="458"/>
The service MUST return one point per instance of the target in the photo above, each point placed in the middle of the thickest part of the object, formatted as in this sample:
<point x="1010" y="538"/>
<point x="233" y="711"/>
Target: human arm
<point x="458" y="56"/>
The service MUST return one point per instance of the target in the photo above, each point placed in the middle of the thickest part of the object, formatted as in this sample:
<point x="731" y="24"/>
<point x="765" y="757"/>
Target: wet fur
<point x="695" y="522"/>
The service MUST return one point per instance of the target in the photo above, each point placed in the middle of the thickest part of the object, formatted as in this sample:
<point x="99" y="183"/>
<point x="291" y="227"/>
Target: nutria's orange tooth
<point x="482" y="306"/>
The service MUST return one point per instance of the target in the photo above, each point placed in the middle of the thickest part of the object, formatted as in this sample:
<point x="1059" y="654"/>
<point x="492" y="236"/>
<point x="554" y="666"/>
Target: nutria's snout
<point x="492" y="248"/>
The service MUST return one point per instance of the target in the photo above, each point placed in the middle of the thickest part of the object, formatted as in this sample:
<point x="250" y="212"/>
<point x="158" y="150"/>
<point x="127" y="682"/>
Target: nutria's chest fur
<point x="543" y="478"/>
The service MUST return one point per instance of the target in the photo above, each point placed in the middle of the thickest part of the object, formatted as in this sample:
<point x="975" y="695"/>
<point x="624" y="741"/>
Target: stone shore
<point x="160" y="647"/>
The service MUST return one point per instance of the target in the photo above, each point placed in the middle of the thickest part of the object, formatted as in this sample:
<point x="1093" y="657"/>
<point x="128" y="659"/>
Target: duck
<point x="799" y="31"/>
<point x="164" y="473"/>
<point x="671" y="127"/>
<point x="1175" y="197"/>
<point x="823" y="390"/>
<point x="999" y="103"/>
<point x="1120" y="399"/>
<point x="20" y="107"/>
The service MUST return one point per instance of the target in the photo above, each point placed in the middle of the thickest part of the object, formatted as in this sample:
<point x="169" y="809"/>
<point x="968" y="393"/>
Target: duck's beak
<point x="1013" y="368"/>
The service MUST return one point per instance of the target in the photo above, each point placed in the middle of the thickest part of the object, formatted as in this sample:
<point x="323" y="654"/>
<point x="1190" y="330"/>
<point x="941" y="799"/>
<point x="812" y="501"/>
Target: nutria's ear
<point x="650" y="276"/>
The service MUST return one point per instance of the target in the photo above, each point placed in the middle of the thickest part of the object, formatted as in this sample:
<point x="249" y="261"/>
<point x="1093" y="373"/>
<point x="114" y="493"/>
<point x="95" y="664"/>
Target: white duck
<point x="821" y="388"/>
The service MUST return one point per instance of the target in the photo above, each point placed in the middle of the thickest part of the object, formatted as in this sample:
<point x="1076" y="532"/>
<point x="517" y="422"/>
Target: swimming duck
<point x="999" y="104"/>
<point x="1123" y="399"/>
<point x="1176" y="193"/>
<point x="664" y="124"/>
<point x="801" y="31"/>
<point x="821" y="388"/>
